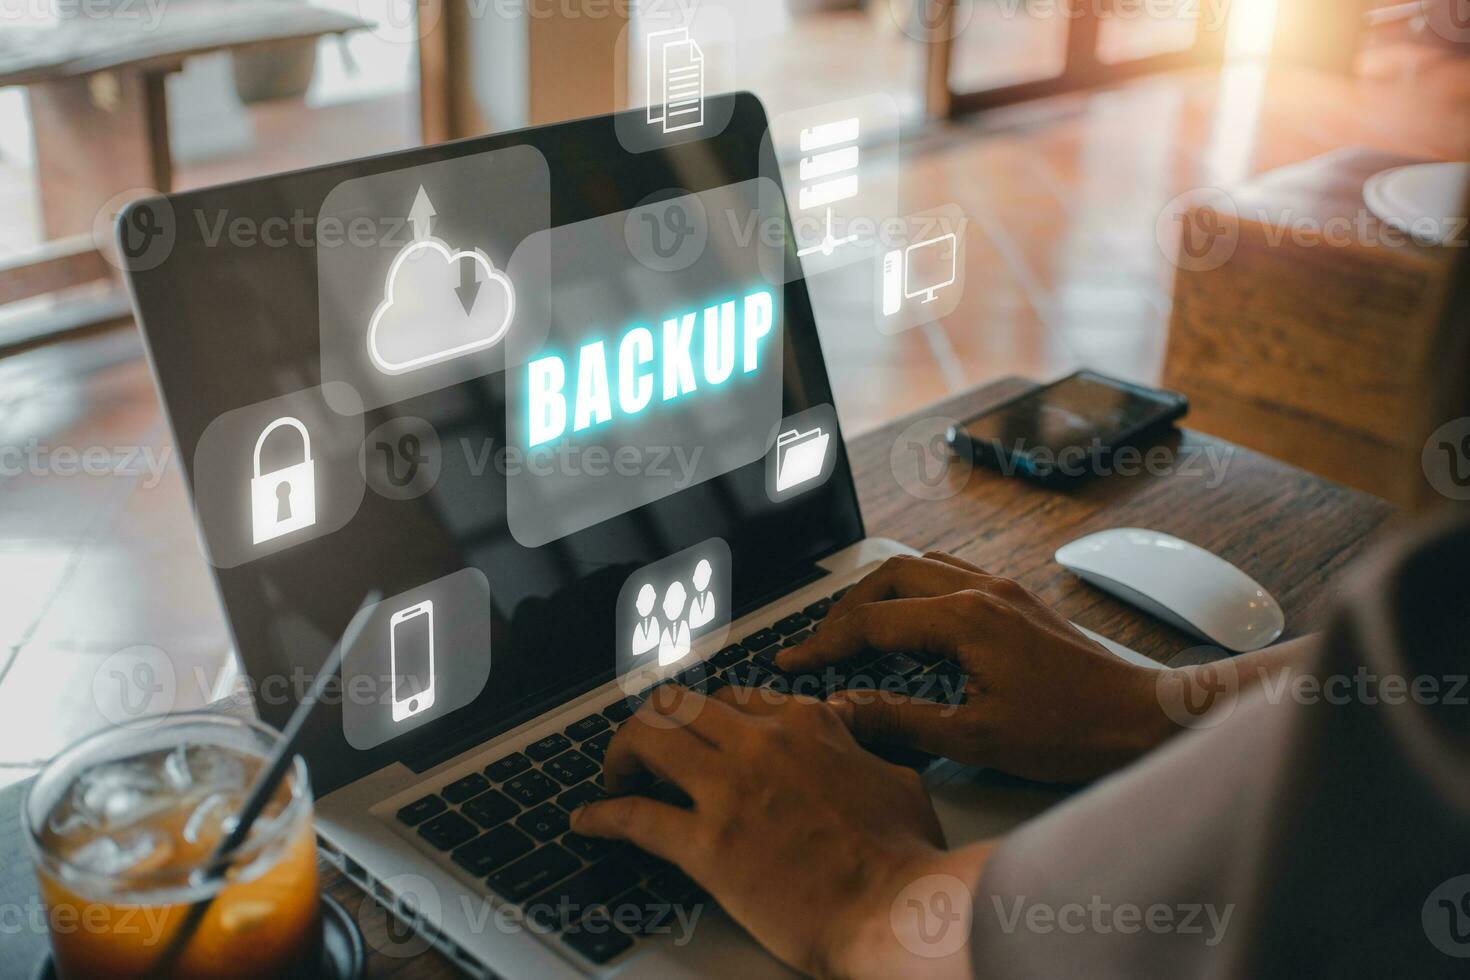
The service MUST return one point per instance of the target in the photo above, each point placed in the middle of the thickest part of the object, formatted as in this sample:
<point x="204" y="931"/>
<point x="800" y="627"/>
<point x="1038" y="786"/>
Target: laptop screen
<point x="525" y="516"/>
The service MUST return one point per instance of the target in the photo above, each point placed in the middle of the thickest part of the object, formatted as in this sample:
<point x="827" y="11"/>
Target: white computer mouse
<point x="1181" y="583"/>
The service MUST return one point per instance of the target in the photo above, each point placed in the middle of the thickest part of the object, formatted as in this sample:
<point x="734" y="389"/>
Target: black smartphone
<point x="1064" y="432"/>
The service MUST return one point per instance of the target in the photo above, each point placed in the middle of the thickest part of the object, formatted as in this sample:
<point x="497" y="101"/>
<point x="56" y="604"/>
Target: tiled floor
<point x="1065" y="271"/>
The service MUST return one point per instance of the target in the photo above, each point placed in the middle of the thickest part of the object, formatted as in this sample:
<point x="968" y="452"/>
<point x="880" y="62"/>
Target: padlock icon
<point x="283" y="500"/>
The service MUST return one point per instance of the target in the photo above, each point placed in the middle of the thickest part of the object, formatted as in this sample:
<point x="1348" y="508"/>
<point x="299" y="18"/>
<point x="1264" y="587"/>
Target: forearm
<point x="919" y="924"/>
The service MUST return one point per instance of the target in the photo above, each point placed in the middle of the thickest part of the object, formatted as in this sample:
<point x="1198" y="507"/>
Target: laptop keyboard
<point x="509" y="824"/>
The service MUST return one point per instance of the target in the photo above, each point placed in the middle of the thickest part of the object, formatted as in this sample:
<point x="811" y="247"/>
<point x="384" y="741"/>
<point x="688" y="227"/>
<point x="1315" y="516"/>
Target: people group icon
<point x="682" y="615"/>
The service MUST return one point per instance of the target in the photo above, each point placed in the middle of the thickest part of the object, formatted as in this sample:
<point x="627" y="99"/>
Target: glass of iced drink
<point x="121" y="826"/>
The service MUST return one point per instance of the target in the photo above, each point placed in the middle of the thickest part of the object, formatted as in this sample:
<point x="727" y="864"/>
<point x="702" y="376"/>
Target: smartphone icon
<point x="411" y="657"/>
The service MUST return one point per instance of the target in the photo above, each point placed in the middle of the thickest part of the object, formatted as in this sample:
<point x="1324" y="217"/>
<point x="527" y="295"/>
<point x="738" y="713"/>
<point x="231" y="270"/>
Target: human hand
<point x="1042" y="700"/>
<point x="800" y="834"/>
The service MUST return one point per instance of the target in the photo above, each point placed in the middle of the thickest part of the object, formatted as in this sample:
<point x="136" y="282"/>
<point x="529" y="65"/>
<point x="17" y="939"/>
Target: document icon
<point x="675" y="80"/>
<point x="800" y="457"/>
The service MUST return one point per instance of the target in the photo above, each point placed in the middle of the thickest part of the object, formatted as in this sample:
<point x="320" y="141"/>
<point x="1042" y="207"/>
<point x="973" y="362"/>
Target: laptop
<point x="528" y="608"/>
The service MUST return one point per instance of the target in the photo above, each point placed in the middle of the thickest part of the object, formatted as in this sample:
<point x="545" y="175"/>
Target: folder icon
<point x="800" y="457"/>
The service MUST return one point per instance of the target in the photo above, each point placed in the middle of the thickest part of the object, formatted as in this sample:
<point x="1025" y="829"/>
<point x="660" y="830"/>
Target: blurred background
<point x="1083" y="140"/>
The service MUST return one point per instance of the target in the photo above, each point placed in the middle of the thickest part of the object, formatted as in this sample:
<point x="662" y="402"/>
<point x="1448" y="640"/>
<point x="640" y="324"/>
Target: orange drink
<point x="121" y="827"/>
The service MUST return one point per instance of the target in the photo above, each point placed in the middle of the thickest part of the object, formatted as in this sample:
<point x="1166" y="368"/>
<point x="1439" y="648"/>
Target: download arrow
<point x="469" y="283"/>
<point x="420" y="214"/>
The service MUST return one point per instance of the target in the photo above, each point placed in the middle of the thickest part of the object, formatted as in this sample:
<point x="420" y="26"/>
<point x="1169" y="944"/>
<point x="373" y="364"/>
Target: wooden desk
<point x="97" y="99"/>
<point x="1294" y="532"/>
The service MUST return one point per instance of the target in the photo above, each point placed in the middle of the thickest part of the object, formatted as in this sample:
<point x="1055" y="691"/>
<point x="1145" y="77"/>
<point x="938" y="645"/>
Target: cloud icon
<point x="438" y="304"/>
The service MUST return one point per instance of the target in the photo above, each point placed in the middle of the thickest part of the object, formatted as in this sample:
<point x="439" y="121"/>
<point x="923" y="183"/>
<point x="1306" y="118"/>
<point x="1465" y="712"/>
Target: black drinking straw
<point x="265" y="787"/>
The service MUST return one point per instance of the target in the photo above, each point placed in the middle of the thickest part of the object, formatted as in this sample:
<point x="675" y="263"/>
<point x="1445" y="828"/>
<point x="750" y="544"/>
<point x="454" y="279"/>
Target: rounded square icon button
<point x="803" y="453"/>
<point x="419" y="655"/>
<point x="271" y="475"/>
<point x="669" y="607"/>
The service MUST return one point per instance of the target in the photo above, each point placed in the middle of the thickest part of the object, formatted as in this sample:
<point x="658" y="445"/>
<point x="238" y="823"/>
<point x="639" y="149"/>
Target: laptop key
<point x="462" y="789"/>
<point x="584" y="728"/>
<point x="492" y="849"/>
<point x="490" y="808"/>
<point x="590" y="848"/>
<point x="899" y="664"/>
<point x="420" y="810"/>
<point x="760" y="640"/>
<point x="728" y="657"/>
<point x="766" y="659"/>
<point x="841" y="592"/>
<point x="638" y="911"/>
<point x="512" y="765"/>
<point x="583" y="891"/>
<point x="673" y="885"/>
<point x="548" y="747"/>
<point x="620" y="711"/>
<point x="792" y="624"/>
<point x="598" y="939"/>
<point x="519" y="881"/>
<point x="796" y="638"/>
<point x="530" y="788"/>
<point x="690" y="676"/>
<point x="937" y="687"/>
<point x="581" y="795"/>
<point x="544" y="822"/>
<point x="571" y="767"/>
<point x="818" y="609"/>
<point x="447" y="831"/>
<point x="595" y="748"/>
<point x="747" y="675"/>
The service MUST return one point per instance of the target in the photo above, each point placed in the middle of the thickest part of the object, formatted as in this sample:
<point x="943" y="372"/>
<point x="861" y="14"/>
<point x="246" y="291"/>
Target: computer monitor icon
<point x="929" y="267"/>
<point x="919" y="271"/>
